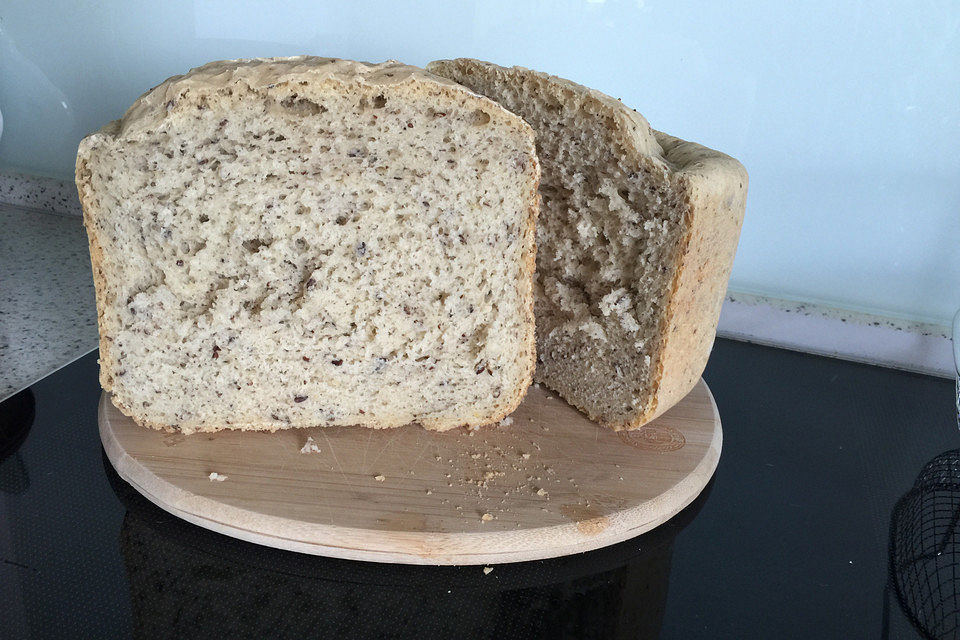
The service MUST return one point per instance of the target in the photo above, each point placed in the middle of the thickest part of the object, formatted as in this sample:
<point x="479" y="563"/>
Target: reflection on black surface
<point x="186" y="581"/>
<point x="16" y="417"/>
<point x="925" y="548"/>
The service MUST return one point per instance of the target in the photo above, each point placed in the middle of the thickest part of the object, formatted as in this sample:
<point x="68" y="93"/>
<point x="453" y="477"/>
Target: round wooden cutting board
<point x="547" y="483"/>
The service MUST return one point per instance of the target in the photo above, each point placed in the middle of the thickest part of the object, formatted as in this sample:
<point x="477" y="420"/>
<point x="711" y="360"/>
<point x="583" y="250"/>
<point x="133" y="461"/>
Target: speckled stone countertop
<point x="48" y="315"/>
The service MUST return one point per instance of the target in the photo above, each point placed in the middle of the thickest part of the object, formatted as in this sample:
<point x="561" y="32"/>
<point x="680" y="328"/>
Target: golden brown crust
<point x="96" y="262"/>
<point x="150" y="109"/>
<point x="716" y="190"/>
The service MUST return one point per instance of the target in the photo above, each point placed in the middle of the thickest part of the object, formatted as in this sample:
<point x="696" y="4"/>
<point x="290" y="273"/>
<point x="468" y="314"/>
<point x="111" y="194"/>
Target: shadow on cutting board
<point x="186" y="581"/>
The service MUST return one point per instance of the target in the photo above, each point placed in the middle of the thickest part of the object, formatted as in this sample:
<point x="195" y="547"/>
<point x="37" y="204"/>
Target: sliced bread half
<point x="635" y="243"/>
<point x="295" y="242"/>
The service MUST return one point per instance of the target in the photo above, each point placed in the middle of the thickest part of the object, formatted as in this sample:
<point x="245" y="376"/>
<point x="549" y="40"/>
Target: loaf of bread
<point x="635" y="239"/>
<point x="299" y="242"/>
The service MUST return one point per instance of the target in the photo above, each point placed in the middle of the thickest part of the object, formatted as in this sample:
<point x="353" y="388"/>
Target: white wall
<point x="846" y="114"/>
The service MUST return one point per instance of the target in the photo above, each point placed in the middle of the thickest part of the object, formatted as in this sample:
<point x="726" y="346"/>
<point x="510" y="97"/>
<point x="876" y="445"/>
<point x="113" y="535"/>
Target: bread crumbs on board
<point x="217" y="477"/>
<point x="310" y="446"/>
<point x="379" y="477"/>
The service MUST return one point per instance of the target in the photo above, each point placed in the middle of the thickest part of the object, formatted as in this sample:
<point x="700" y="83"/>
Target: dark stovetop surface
<point x="789" y="540"/>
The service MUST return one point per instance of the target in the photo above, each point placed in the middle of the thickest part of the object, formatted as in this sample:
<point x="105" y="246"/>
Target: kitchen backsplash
<point x="845" y="114"/>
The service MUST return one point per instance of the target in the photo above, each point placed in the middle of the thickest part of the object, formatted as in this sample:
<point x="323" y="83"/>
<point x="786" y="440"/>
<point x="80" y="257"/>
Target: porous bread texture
<point x="636" y="240"/>
<point x="303" y="241"/>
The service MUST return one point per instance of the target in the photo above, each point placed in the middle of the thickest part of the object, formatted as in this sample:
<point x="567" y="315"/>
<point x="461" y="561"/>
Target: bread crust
<point x="149" y="111"/>
<point x="715" y="188"/>
<point x="88" y="204"/>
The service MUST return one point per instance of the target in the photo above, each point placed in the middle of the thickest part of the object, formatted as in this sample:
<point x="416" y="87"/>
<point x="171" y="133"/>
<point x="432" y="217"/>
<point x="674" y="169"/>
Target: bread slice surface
<point x="297" y="242"/>
<point x="636" y="238"/>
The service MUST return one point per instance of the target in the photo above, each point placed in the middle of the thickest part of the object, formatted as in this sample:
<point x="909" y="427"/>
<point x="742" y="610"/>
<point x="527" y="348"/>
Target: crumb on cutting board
<point x="379" y="477"/>
<point x="486" y="517"/>
<point x="487" y="570"/>
<point x="310" y="446"/>
<point x="217" y="477"/>
<point x="506" y="422"/>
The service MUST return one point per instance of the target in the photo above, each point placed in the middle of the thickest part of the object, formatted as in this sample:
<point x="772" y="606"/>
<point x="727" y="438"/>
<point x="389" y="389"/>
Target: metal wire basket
<point x="925" y="540"/>
<point x="925" y="549"/>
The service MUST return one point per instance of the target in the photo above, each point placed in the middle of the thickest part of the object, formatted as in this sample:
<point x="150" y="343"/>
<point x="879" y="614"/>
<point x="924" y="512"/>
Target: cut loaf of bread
<point x="635" y="239"/>
<point x="298" y="242"/>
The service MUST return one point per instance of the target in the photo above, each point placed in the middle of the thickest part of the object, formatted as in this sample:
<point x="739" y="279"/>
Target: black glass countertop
<point x="791" y="539"/>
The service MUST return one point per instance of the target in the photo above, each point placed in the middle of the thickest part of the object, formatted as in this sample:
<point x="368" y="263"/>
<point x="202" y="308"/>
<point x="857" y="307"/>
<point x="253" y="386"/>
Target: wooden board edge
<point x="412" y="547"/>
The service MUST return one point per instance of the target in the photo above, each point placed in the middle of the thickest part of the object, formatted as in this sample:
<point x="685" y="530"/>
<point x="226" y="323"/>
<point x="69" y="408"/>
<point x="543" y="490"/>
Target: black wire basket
<point x="925" y="540"/>
<point x="925" y="548"/>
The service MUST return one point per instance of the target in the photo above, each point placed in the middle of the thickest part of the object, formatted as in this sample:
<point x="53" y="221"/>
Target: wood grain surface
<point x="547" y="483"/>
